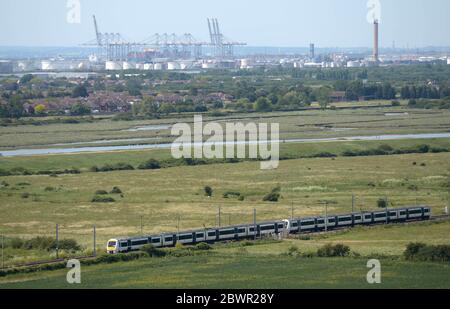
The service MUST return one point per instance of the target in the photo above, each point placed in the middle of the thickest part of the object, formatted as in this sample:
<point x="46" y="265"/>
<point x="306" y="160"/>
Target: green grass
<point x="242" y="272"/>
<point x="304" y="124"/>
<point x="161" y="196"/>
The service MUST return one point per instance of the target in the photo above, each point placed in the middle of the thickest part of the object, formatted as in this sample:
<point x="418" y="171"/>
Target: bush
<point x="25" y="195"/>
<point x="382" y="203"/>
<point x="151" y="164"/>
<point x="68" y="245"/>
<point x="101" y="192"/>
<point x="203" y="246"/>
<point x="152" y="251"/>
<point x="116" y="190"/>
<point x="330" y="250"/>
<point x="16" y="243"/>
<point x="423" y="252"/>
<point x="273" y="196"/>
<point x="231" y="193"/>
<point x="102" y="199"/>
<point x="208" y="191"/>
<point x="49" y="189"/>
<point x="293" y="251"/>
<point x="39" y="243"/>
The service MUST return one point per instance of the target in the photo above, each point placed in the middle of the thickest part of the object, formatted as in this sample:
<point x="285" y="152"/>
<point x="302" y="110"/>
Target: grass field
<point x="160" y="197"/>
<point x="242" y="272"/>
<point x="305" y="124"/>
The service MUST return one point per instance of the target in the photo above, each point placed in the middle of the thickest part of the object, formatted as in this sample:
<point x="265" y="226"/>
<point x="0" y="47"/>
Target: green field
<point x="304" y="124"/>
<point x="265" y="265"/>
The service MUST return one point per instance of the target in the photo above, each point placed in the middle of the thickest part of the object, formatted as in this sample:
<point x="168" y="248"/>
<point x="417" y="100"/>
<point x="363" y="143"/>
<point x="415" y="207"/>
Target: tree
<point x="263" y="105"/>
<point x="26" y="79"/>
<point x="40" y="109"/>
<point x="208" y="191"/>
<point x="323" y="97"/>
<point x="80" y="91"/>
<point x="80" y="109"/>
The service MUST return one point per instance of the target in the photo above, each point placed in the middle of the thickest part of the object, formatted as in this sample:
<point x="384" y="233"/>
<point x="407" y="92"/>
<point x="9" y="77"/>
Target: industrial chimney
<point x="375" y="41"/>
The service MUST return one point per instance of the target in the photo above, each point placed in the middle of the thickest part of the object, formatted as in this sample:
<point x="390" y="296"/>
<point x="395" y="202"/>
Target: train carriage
<point x="250" y="231"/>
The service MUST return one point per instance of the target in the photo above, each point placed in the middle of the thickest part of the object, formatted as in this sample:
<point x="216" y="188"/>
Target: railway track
<point x="55" y="261"/>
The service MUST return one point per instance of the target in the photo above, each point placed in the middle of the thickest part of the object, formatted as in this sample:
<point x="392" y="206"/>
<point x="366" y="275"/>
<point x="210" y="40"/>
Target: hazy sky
<point x="328" y="23"/>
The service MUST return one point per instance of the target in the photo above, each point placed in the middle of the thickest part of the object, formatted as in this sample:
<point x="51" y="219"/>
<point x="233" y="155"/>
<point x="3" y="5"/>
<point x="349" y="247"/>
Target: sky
<point x="284" y="23"/>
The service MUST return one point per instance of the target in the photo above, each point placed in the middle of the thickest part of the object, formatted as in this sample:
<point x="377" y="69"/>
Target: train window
<point x="156" y="240"/>
<point x="280" y="225"/>
<point x="308" y="223"/>
<point x="320" y="221"/>
<point x="368" y="216"/>
<point x="402" y="213"/>
<point x="211" y="234"/>
<point x="357" y="217"/>
<point x="139" y="242"/>
<point x="226" y="232"/>
<point x="112" y="244"/>
<point x="415" y="211"/>
<point x="295" y="224"/>
<point x="268" y="227"/>
<point x="332" y="220"/>
<point x="380" y="215"/>
<point x="252" y="229"/>
<point x="392" y="213"/>
<point x="185" y="237"/>
<point x="200" y="235"/>
<point x="168" y="238"/>
<point x="342" y="219"/>
<point x="241" y="230"/>
<point x="124" y="244"/>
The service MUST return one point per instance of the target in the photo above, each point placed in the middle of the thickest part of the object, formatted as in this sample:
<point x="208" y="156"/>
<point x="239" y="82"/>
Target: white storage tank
<point x="113" y="66"/>
<point x="173" y="66"/>
<point x="47" y="65"/>
<point x="158" y="66"/>
<point x="127" y="65"/>
<point x="448" y="60"/>
<point x="353" y="64"/>
<point x="148" y="66"/>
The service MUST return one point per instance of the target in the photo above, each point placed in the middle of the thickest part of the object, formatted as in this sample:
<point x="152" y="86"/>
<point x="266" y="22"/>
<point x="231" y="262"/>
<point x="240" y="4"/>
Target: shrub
<point x="40" y="243"/>
<point x="330" y="250"/>
<point x="68" y="245"/>
<point x="241" y="198"/>
<point x="102" y="199"/>
<point x="49" y="189"/>
<point x="3" y="183"/>
<point x="16" y="243"/>
<point x="208" y="191"/>
<point x="423" y="252"/>
<point x="151" y="164"/>
<point x="152" y="251"/>
<point x="4" y="172"/>
<point x="203" y="246"/>
<point x="25" y="195"/>
<point x="273" y="196"/>
<point x="116" y="190"/>
<point x="231" y="193"/>
<point x="382" y="203"/>
<point x="293" y="251"/>
<point x="101" y="192"/>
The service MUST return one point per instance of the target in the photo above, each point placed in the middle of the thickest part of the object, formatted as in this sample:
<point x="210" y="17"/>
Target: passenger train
<point x="251" y="231"/>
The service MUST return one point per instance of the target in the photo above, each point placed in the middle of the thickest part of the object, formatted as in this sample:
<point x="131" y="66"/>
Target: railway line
<point x="436" y="218"/>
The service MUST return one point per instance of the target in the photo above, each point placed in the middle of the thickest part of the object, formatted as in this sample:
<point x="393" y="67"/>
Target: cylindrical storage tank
<point x="173" y="66"/>
<point x="139" y="66"/>
<point x="148" y="66"/>
<point x="113" y="66"/>
<point x="127" y="66"/>
<point x="353" y="64"/>
<point x="448" y="60"/>
<point x="208" y="65"/>
<point x="47" y="65"/>
<point x="157" y="66"/>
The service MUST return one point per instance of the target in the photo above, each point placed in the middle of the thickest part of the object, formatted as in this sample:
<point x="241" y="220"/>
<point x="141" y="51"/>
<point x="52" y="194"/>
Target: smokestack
<point x="312" y="53"/>
<point x="375" y="39"/>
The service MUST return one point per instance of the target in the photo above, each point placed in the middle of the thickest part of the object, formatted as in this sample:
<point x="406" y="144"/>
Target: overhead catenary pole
<point x="95" y="242"/>
<point x="326" y="216"/>
<point x="220" y="223"/>
<point x="57" y="241"/>
<point x="353" y="203"/>
<point x="142" y="227"/>
<point x="3" y="255"/>
<point x="292" y="210"/>
<point x="254" y="222"/>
